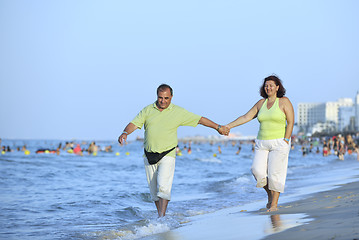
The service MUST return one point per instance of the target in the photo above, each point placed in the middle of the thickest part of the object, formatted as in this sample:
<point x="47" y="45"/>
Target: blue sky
<point x="84" y="69"/>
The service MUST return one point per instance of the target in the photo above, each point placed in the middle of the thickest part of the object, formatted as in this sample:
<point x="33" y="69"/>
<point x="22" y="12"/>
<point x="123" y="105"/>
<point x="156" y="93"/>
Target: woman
<point x="276" y="117"/>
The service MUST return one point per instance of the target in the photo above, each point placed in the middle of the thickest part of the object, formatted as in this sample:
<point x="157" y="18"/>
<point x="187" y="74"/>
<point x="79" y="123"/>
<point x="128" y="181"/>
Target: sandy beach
<point x="334" y="214"/>
<point x="331" y="214"/>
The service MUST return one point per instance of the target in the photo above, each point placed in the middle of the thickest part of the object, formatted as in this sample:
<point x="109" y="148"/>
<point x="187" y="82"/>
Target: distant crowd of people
<point x="234" y="143"/>
<point x="337" y="145"/>
<point x="72" y="147"/>
<point x="5" y="149"/>
<point x="332" y="145"/>
<point x="69" y="147"/>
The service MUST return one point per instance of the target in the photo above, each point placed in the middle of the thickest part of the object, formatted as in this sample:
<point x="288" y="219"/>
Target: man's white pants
<point x="160" y="177"/>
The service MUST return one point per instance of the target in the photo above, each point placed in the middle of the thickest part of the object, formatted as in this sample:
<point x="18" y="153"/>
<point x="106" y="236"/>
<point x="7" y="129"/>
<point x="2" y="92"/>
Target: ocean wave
<point x="139" y="230"/>
<point x="210" y="160"/>
<point x="129" y="213"/>
<point x="229" y="185"/>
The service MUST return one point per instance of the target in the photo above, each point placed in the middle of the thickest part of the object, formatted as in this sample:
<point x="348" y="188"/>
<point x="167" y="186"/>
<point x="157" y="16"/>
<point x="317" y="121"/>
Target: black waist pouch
<point x="153" y="158"/>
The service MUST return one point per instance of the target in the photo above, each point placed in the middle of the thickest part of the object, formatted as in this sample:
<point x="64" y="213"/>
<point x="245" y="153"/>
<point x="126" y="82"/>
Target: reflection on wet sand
<point x="281" y="222"/>
<point x="276" y="222"/>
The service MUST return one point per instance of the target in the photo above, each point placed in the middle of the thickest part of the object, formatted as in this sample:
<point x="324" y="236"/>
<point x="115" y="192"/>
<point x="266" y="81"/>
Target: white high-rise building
<point x="325" y="114"/>
<point x="345" y="114"/>
<point x="332" y="109"/>
<point x="310" y="114"/>
<point x="331" y="112"/>
<point x="346" y="119"/>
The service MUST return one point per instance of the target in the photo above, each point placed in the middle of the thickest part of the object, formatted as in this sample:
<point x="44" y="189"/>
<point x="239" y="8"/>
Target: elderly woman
<point x="276" y="117"/>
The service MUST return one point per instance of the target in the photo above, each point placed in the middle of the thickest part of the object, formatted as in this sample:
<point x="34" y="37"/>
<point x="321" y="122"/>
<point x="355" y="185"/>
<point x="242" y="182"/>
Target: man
<point x="161" y="120"/>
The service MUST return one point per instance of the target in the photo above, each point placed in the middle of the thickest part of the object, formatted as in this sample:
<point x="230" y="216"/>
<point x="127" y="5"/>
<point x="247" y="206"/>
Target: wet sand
<point x="331" y="214"/>
<point x="334" y="214"/>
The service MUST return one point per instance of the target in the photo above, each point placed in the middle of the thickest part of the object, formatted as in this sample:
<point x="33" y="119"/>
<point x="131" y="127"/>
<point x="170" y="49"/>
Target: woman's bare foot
<point x="274" y="202"/>
<point x="272" y="209"/>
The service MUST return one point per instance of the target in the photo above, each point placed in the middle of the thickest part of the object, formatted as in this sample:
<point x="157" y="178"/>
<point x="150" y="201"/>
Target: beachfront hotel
<point x="342" y="115"/>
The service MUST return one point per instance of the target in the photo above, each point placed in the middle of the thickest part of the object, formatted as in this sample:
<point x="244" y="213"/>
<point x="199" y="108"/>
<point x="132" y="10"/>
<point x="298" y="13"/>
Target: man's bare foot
<point x="268" y="205"/>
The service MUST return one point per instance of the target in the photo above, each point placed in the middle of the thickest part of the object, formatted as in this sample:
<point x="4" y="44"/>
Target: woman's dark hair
<point x="278" y="82"/>
<point x="164" y="87"/>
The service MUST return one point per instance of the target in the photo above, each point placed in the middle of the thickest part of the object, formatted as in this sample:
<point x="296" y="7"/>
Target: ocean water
<point x="67" y="196"/>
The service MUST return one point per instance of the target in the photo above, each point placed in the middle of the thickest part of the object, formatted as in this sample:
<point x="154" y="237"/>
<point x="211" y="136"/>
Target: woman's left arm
<point x="289" y="113"/>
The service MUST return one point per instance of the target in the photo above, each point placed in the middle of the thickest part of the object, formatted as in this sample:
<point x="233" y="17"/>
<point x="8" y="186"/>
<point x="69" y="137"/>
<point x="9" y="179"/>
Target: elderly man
<point x="161" y="120"/>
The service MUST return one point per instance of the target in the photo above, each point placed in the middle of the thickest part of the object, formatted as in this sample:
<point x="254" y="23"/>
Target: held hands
<point x="224" y="130"/>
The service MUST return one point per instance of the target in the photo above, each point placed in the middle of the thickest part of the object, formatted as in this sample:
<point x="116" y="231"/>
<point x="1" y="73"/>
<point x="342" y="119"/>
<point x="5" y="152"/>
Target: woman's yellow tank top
<point x="272" y="122"/>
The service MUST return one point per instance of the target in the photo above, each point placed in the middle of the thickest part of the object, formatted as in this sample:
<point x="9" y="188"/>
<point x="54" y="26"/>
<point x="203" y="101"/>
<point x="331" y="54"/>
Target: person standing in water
<point x="275" y="114"/>
<point x="161" y="120"/>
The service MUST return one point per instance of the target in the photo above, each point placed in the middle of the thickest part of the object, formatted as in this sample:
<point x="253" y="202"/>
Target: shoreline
<point x="329" y="211"/>
<point x="333" y="214"/>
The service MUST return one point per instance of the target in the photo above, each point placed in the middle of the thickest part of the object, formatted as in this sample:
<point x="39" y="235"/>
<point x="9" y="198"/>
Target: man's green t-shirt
<point x="161" y="127"/>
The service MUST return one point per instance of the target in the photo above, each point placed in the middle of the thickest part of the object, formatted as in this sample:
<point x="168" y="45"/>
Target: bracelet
<point x="125" y="132"/>
<point x="219" y="126"/>
<point x="287" y="139"/>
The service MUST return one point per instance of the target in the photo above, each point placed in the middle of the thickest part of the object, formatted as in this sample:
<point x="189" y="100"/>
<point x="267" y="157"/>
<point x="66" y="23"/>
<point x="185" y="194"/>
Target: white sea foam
<point x="150" y="229"/>
<point x="211" y="160"/>
<point x="138" y="232"/>
<point x="243" y="179"/>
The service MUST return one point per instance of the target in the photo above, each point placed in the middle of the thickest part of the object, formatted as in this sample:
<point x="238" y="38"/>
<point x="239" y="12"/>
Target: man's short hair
<point x="164" y="87"/>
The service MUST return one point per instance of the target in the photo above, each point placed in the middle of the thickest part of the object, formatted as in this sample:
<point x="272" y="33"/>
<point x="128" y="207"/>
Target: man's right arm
<point x="128" y="130"/>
